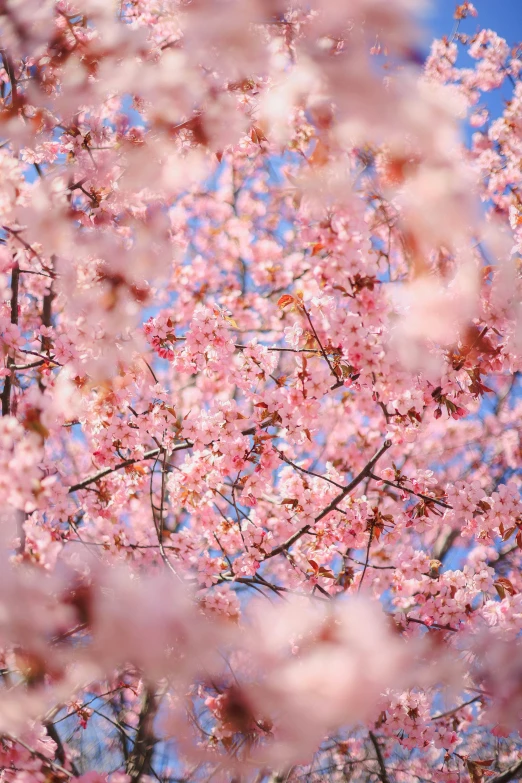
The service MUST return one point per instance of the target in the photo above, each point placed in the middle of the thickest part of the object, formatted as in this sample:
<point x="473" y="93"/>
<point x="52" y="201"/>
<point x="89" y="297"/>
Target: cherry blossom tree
<point x="260" y="450"/>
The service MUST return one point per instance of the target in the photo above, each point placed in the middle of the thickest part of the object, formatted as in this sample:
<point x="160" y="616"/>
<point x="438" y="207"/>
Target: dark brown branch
<point x="356" y="481"/>
<point x="313" y="351"/>
<point x="15" y="233"/>
<point x="31" y="365"/>
<point x="304" y="470"/>
<point x="9" y="67"/>
<point x="140" y="757"/>
<point x="47" y="317"/>
<point x="367" y="560"/>
<point x="437" y="626"/>
<point x="152" y="454"/>
<point x="446" y="714"/>
<point x="427" y="498"/>
<point x="325" y="355"/>
<point x="443" y="546"/>
<point x="47" y="307"/>
<point x="511" y="773"/>
<point x="365" y="472"/>
<point x="53" y="765"/>
<point x="6" y="392"/>
<point x="106" y="471"/>
<point x="380" y="759"/>
<point x="60" y="750"/>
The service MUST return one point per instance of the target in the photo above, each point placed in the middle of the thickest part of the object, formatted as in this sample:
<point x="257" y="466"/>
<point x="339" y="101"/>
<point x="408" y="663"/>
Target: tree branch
<point x="511" y="773"/>
<point x="53" y="765"/>
<point x="140" y="757"/>
<point x="60" y="750"/>
<point x="366" y="562"/>
<point x="9" y="67"/>
<point x="125" y="464"/>
<point x="152" y="454"/>
<point x="380" y="759"/>
<point x="427" y="498"/>
<point x="365" y="472"/>
<point x="6" y="392"/>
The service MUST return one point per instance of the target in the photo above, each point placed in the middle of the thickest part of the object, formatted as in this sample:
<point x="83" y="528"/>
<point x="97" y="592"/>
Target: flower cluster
<point x="260" y="342"/>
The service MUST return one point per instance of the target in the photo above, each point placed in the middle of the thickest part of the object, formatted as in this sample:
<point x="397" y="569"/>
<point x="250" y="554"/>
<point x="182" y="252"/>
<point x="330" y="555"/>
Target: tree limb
<point x="365" y="472"/>
<point x="125" y="464"/>
<point x="140" y="758"/>
<point x="380" y="758"/>
<point x="60" y="750"/>
<point x="511" y="773"/>
<point x="6" y="392"/>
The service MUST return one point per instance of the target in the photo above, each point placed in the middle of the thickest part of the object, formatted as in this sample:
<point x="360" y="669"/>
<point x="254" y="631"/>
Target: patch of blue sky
<point x="502" y="16"/>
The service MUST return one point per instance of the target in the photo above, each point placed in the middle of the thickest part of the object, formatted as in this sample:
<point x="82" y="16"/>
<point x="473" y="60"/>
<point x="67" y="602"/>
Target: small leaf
<point x="320" y="156"/>
<point x="285" y="300"/>
<point x="326" y="573"/>
<point x="508" y="533"/>
<point x="231" y="321"/>
<point x="506" y="585"/>
<point x="500" y="590"/>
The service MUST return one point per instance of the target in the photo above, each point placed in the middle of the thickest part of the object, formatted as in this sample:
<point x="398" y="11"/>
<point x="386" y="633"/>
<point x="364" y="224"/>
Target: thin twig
<point x="367" y="559"/>
<point x="304" y="470"/>
<point x="457" y="709"/>
<point x="427" y="498"/>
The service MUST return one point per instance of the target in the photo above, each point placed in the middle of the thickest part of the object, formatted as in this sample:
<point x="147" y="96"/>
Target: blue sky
<point x="503" y="16"/>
